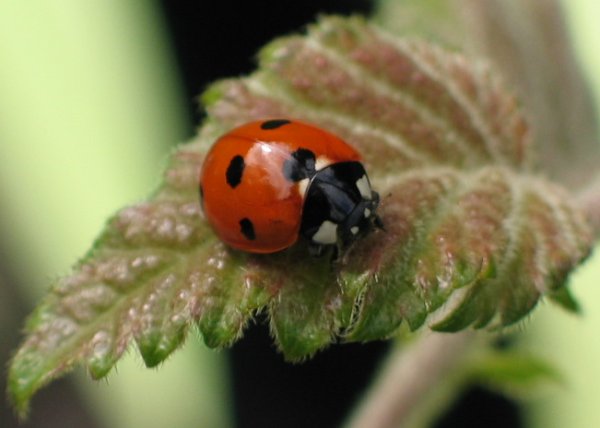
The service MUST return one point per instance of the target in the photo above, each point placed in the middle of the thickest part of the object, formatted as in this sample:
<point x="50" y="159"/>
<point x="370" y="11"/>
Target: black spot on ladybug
<point x="247" y="229"/>
<point x="274" y="124"/>
<point x="201" y="195"/>
<point x="301" y="165"/>
<point x="235" y="171"/>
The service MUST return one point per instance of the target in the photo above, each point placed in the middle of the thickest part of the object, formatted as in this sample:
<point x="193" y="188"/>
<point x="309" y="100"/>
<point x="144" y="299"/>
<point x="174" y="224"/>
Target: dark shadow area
<point x="218" y="39"/>
<point x="319" y="392"/>
<point x="478" y="407"/>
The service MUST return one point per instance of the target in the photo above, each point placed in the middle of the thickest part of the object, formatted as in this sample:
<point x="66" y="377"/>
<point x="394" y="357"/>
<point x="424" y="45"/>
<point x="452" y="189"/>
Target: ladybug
<point x="265" y="183"/>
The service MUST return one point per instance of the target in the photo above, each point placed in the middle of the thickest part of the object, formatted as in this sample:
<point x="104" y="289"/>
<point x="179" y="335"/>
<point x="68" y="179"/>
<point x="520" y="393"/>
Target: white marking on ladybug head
<point x="327" y="233"/>
<point x="322" y="162"/>
<point x="367" y="213"/>
<point x="354" y="230"/>
<point x="302" y="186"/>
<point x="364" y="187"/>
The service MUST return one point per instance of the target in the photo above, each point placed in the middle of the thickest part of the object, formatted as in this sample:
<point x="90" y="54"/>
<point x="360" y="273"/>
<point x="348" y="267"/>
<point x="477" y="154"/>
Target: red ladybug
<point x="266" y="183"/>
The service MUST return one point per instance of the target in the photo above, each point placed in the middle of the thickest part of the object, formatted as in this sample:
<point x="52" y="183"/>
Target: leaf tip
<point x="155" y="350"/>
<point x="273" y="51"/>
<point x="19" y="392"/>
<point x="563" y="297"/>
<point x="211" y="95"/>
<point x="100" y="367"/>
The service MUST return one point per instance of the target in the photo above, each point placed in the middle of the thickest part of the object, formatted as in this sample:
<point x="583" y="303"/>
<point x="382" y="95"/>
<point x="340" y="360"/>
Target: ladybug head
<point x="339" y="206"/>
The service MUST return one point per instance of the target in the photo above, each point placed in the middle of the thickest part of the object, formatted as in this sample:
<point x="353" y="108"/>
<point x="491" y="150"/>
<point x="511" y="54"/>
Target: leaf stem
<point x="411" y="378"/>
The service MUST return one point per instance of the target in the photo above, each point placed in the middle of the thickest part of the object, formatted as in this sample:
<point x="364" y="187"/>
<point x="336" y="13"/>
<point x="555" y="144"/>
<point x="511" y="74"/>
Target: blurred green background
<point x="570" y="342"/>
<point x="90" y="105"/>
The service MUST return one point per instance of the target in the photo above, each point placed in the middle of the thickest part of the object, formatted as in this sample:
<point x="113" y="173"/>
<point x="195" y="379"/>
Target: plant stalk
<point x="411" y="378"/>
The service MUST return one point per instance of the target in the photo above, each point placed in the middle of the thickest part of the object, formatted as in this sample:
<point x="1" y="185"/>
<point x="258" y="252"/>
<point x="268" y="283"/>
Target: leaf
<point x="473" y="237"/>
<point x="514" y="373"/>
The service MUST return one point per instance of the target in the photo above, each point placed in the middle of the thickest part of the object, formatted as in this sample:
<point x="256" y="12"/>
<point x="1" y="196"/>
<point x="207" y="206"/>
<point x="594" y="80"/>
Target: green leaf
<point x="513" y="373"/>
<point x="563" y="297"/>
<point x="473" y="236"/>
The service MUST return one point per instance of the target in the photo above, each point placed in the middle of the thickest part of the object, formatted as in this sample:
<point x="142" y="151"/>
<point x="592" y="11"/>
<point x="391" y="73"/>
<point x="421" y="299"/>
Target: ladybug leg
<point x="337" y="251"/>
<point x="315" y="250"/>
<point x="319" y="250"/>
<point x="378" y="223"/>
